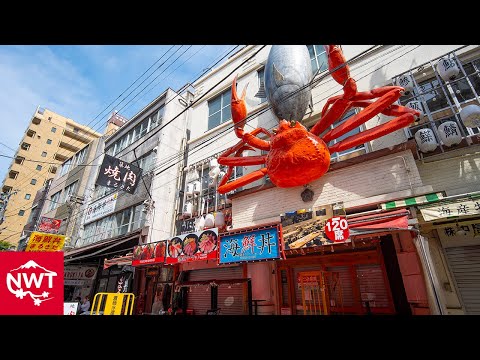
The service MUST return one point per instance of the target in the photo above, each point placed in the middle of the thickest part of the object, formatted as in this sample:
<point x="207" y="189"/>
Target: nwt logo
<point x="22" y="283"/>
<point x="31" y="283"/>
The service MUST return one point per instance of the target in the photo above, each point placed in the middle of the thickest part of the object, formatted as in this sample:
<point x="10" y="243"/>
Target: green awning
<point x="417" y="200"/>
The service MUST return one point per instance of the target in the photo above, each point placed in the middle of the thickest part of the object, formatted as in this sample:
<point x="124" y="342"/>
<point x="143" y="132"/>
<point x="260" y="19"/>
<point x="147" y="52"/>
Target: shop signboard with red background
<point x="49" y="225"/>
<point x="195" y="246"/>
<point x="336" y="229"/>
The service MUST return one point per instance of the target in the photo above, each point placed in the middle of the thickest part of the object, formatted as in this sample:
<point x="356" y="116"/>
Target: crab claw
<point x="238" y="106"/>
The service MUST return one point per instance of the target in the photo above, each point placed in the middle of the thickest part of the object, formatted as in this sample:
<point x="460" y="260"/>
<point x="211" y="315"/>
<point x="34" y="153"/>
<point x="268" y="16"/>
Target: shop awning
<point x="418" y="200"/>
<point x="397" y="220"/>
<point x="119" y="260"/>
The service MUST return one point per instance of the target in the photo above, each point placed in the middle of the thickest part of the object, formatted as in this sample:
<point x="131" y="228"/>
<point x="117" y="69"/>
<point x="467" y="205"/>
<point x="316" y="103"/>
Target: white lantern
<point x="213" y="163"/>
<point x="447" y="69"/>
<point x="213" y="173"/>
<point x="470" y="116"/>
<point x="425" y="139"/>
<point x="406" y="82"/>
<point x="212" y="182"/>
<point x="416" y="105"/>
<point x="219" y="219"/>
<point x="189" y="191"/>
<point x="196" y="187"/>
<point x="199" y="223"/>
<point x="187" y="209"/>
<point x="449" y="133"/>
<point x="209" y="221"/>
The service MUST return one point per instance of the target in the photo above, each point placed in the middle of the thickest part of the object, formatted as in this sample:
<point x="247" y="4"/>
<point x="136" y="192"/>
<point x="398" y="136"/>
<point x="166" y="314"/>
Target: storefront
<point x="453" y="225"/>
<point x="78" y="281"/>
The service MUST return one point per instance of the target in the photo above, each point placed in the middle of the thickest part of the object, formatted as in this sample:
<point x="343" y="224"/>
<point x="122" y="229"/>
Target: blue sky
<point x="80" y="81"/>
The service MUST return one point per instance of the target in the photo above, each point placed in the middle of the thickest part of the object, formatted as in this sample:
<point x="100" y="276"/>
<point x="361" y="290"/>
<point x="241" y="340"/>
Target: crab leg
<point x="369" y="112"/>
<point x="246" y="179"/>
<point x="374" y="133"/>
<point x="337" y="110"/>
<point x="239" y="113"/>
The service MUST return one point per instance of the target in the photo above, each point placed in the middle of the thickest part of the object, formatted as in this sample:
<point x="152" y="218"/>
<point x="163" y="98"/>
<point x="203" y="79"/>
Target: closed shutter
<point x="230" y="297"/>
<point x="464" y="262"/>
<point x="372" y="286"/>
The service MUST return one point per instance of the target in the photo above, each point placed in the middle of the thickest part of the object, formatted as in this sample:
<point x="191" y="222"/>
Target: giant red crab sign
<point x="298" y="156"/>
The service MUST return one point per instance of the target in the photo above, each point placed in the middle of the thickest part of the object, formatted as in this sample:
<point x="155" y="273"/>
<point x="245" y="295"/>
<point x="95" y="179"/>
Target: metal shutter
<point x="230" y="297"/>
<point x="372" y="285"/>
<point x="464" y="262"/>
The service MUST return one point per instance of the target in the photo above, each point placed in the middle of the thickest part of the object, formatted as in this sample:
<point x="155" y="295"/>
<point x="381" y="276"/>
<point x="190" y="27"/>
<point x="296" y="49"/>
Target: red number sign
<point x="336" y="229"/>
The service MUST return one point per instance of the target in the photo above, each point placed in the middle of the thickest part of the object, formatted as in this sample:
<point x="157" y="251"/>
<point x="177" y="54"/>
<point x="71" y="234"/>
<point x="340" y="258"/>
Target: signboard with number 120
<point x="336" y="229"/>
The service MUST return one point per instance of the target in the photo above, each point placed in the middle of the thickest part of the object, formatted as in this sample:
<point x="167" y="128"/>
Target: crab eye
<point x="293" y="123"/>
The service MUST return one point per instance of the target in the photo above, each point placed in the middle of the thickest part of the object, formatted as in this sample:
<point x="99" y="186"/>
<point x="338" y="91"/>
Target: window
<point x="31" y="133"/>
<point x="70" y="190"/>
<point x="66" y="167"/>
<point x="318" y="56"/>
<point x="21" y="212"/>
<point x="32" y="216"/>
<point x="219" y="109"/>
<point x="49" y="141"/>
<point x="343" y="155"/>
<point x="76" y="130"/>
<point x="44" y="154"/>
<point x="39" y="167"/>
<point x="261" y="86"/>
<point x="54" y="200"/>
<point x="54" y="129"/>
<point x="52" y="169"/>
<point x="80" y="156"/>
<point x="12" y="174"/>
<point x="19" y="160"/>
<point x="27" y="196"/>
<point x="146" y="162"/>
<point x="33" y="181"/>
<point x="25" y="146"/>
<point x="6" y="189"/>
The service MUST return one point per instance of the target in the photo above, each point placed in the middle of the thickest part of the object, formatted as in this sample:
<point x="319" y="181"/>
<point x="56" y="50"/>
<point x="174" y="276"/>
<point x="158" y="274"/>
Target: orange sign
<point x="45" y="242"/>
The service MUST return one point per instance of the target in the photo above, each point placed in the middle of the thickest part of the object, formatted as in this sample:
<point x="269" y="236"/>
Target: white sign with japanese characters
<point x="100" y="208"/>
<point x="460" y="208"/>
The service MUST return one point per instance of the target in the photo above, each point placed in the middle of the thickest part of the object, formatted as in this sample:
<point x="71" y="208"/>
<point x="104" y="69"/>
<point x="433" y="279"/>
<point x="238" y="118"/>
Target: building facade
<point x="387" y="266"/>
<point x="49" y="140"/>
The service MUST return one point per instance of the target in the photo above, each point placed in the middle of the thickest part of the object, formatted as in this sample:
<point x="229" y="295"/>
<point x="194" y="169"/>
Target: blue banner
<point x="250" y="246"/>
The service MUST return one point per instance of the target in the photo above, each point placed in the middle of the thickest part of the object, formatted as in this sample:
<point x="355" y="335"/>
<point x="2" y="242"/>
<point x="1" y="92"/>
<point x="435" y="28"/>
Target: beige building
<point x="49" y="140"/>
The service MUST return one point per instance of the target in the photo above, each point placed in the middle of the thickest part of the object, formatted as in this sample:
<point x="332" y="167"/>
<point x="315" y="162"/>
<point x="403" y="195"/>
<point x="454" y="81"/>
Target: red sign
<point x="49" y="225"/>
<point x="202" y="245"/>
<point x="31" y="283"/>
<point x="152" y="253"/>
<point x="336" y="229"/>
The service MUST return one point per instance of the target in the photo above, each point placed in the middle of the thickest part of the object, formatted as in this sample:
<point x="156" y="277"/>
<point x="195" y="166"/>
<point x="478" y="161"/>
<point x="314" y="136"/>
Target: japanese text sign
<point x="70" y="308"/>
<point x="459" y="208"/>
<point x="104" y="206"/>
<point x="118" y="174"/>
<point x="263" y="244"/>
<point x="336" y="229"/>
<point x="49" y="225"/>
<point x="45" y="242"/>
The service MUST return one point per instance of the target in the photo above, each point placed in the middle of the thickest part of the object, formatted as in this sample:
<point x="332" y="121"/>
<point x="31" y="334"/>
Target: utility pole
<point x="4" y="197"/>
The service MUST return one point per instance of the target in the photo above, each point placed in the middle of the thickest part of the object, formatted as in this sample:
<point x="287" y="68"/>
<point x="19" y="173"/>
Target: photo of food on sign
<point x="144" y="252"/>
<point x="305" y="228"/>
<point x="207" y="241"/>
<point x="174" y="247"/>
<point x="190" y="246"/>
<point x="160" y="249"/>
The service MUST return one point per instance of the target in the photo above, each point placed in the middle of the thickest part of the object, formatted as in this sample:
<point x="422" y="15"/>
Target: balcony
<point x="60" y="157"/>
<point x="76" y="136"/>
<point x="69" y="146"/>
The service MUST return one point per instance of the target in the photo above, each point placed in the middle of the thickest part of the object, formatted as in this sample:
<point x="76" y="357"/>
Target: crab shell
<point x="296" y="157"/>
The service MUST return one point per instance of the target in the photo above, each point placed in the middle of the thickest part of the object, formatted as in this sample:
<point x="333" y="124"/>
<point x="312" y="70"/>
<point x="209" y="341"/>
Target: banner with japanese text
<point x="49" y="225"/>
<point x="458" y="208"/>
<point x="45" y="242"/>
<point x="100" y="208"/>
<point x="255" y="245"/>
<point x="118" y="174"/>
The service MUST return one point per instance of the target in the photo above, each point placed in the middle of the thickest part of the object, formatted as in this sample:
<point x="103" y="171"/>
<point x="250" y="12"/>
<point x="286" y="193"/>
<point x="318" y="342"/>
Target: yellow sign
<point x="45" y="242"/>
<point x="113" y="304"/>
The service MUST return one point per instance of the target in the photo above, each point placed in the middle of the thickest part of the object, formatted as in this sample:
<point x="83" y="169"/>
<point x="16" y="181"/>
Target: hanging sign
<point x="49" y="225"/>
<point x="261" y="244"/>
<point x="459" y="208"/>
<point x="118" y="174"/>
<point x="45" y="242"/>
